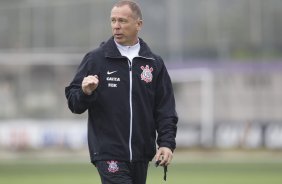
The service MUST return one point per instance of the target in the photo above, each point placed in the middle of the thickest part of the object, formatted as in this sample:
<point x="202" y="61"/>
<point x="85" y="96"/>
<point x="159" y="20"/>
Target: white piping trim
<point x="130" y="105"/>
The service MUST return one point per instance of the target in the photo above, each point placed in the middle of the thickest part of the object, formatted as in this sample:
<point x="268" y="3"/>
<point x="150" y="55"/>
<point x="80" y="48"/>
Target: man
<point x="129" y="97"/>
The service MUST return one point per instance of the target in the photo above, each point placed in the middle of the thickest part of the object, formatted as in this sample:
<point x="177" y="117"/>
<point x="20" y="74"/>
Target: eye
<point x="113" y="21"/>
<point x="122" y="20"/>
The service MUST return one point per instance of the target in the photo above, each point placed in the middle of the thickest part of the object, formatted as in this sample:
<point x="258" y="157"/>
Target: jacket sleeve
<point x="78" y="101"/>
<point x="165" y="113"/>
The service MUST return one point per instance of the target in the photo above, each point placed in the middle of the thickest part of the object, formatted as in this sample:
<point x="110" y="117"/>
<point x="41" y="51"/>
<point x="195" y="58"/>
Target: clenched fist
<point x="89" y="84"/>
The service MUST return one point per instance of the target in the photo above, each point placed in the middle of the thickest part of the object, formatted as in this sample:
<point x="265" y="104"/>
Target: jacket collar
<point x="112" y="51"/>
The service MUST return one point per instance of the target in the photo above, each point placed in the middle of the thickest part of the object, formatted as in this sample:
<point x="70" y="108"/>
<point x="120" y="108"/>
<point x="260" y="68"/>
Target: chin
<point x="120" y="41"/>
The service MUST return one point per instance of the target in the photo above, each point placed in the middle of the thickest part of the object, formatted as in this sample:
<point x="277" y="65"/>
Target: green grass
<point x="179" y="173"/>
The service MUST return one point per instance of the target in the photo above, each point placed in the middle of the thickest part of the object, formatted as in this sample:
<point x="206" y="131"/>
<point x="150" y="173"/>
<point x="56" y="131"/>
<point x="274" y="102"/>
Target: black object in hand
<point x="157" y="163"/>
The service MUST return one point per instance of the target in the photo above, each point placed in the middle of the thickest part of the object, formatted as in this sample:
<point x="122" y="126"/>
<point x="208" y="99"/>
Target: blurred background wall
<point x="224" y="57"/>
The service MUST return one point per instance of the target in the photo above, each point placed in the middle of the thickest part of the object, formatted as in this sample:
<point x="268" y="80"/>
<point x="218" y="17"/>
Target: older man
<point x="129" y="97"/>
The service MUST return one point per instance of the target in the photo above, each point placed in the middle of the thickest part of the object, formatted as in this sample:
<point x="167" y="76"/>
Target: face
<point x="125" y="26"/>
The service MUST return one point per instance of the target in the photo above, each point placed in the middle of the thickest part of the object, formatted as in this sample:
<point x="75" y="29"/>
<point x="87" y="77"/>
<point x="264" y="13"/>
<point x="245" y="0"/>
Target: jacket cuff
<point x="167" y="145"/>
<point x="87" y="98"/>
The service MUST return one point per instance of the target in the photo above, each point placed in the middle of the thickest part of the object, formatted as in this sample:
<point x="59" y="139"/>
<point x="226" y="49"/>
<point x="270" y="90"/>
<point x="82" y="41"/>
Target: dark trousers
<point x="115" y="172"/>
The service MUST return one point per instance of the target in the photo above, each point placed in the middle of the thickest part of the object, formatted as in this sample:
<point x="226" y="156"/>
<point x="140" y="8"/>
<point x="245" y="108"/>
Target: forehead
<point x="122" y="11"/>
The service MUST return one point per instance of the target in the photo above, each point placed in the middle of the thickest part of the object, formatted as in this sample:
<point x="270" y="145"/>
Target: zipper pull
<point x="130" y="65"/>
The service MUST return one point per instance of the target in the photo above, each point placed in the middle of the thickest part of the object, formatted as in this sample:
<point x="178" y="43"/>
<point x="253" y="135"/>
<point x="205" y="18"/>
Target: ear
<point x="139" y="24"/>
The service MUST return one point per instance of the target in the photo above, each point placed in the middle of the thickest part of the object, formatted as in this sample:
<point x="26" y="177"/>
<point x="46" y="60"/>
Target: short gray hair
<point x="133" y="6"/>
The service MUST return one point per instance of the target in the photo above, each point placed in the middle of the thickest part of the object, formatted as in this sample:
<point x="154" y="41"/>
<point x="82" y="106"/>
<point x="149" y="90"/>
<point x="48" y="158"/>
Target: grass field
<point x="199" y="172"/>
<point x="188" y="167"/>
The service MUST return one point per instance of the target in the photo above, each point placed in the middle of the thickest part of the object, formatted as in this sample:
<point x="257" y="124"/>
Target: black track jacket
<point x="132" y="102"/>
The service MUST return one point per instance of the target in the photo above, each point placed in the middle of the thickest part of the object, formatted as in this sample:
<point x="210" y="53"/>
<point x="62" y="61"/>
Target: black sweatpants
<point x="115" y="172"/>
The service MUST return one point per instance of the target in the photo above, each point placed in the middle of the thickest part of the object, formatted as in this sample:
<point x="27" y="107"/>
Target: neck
<point x="127" y="45"/>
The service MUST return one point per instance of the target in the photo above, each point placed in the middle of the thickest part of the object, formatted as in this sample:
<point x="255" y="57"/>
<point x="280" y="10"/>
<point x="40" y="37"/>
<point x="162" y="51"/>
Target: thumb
<point x="96" y="76"/>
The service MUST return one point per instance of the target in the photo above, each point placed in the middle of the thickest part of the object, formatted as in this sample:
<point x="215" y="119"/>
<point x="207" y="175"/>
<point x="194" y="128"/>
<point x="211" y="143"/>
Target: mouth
<point x="118" y="36"/>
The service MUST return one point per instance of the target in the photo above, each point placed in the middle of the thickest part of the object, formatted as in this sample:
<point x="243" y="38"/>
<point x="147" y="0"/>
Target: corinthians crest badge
<point x="147" y="75"/>
<point x="113" y="167"/>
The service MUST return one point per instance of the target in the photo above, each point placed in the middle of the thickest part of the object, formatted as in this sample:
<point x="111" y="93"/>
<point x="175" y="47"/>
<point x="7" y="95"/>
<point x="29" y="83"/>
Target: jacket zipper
<point x="130" y="105"/>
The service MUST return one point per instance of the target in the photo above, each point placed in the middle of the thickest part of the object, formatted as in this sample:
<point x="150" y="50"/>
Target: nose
<point x="116" y="25"/>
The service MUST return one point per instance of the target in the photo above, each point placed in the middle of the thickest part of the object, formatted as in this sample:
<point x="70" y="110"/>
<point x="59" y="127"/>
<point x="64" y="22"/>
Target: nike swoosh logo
<point x="109" y="73"/>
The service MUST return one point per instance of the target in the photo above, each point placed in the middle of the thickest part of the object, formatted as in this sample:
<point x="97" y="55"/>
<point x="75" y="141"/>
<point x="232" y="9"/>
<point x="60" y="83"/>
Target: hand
<point x="164" y="155"/>
<point x="89" y="84"/>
